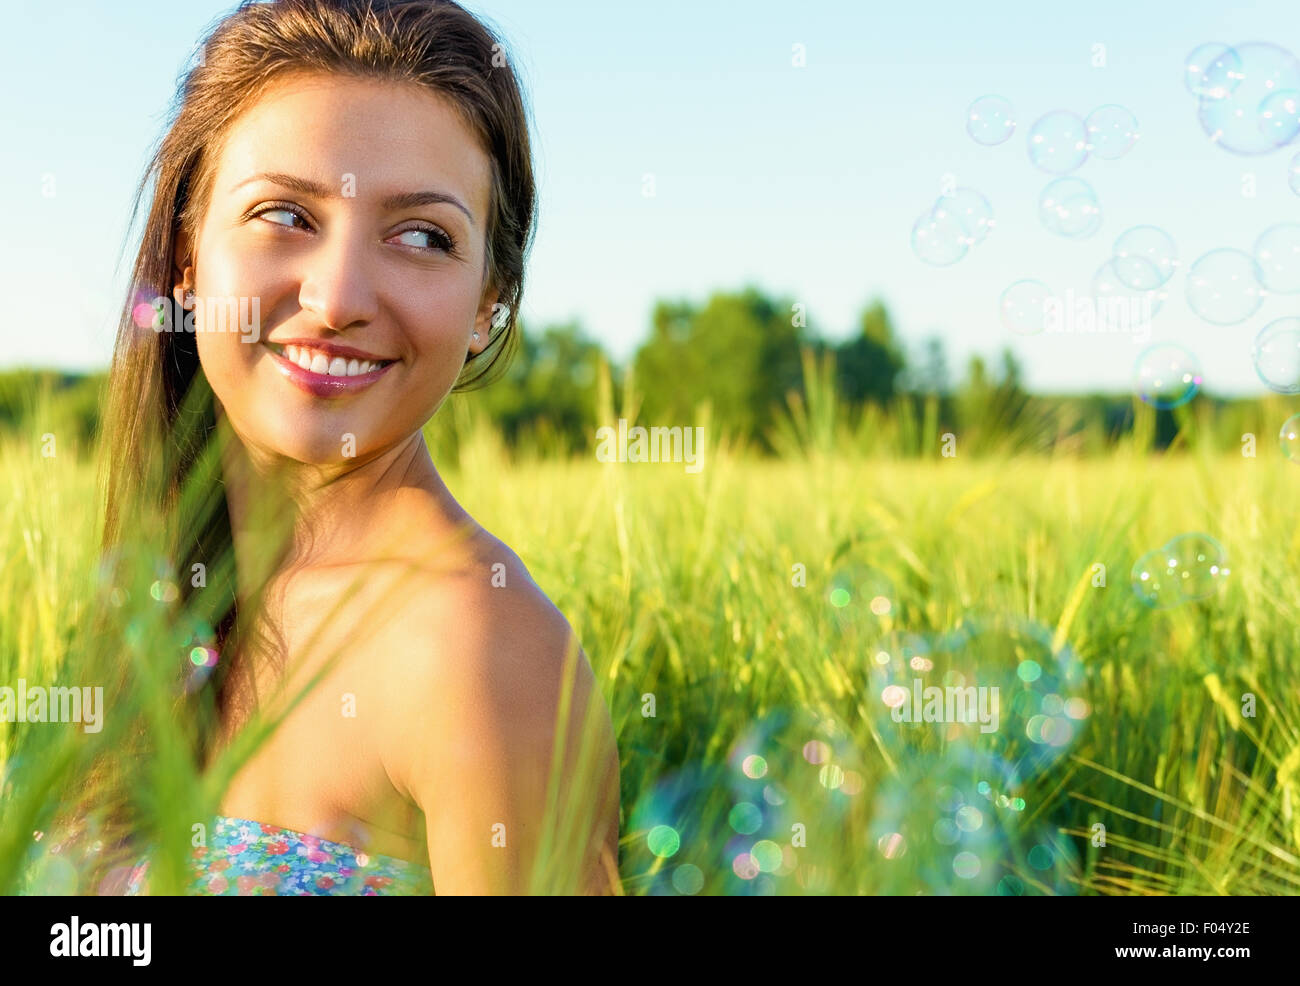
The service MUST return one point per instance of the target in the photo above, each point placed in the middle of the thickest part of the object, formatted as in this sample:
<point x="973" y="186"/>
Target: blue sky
<point x="805" y="181"/>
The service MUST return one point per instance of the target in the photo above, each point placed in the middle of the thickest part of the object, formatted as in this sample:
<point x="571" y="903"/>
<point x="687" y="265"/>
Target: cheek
<point x="226" y="362"/>
<point x="438" y="327"/>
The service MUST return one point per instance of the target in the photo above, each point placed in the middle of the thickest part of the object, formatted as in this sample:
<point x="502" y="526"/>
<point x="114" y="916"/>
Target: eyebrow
<point x="401" y="200"/>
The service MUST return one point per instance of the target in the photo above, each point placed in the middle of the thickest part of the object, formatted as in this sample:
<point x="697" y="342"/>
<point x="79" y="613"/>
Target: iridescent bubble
<point x="745" y="818"/>
<point x="1198" y="565"/>
<point x="1068" y="207"/>
<point x="148" y="316"/>
<point x="1277" y="252"/>
<point x="1145" y="257"/>
<point x="1237" y="121"/>
<point x="891" y="845"/>
<point x="1023" y="307"/>
<point x="1058" y="142"/>
<point x="1212" y="70"/>
<point x="767" y="855"/>
<point x="1120" y="308"/>
<point x="990" y="120"/>
<point x="972" y="210"/>
<point x="939" y="238"/>
<point x="1041" y="857"/>
<point x="1167" y="375"/>
<point x="969" y="818"/>
<point x="1112" y="132"/>
<point x="1225" y="287"/>
<point x="744" y="866"/>
<point x="831" y="776"/>
<point x="1189" y="568"/>
<point x="1277" y="355"/>
<point x="1289" y="438"/>
<point x="994" y="649"/>
<point x="966" y="865"/>
<point x="1149" y="584"/>
<point x="688" y="879"/>
<point x="754" y="766"/>
<point x="1279" y="116"/>
<point x="946" y="832"/>
<point x="663" y="841"/>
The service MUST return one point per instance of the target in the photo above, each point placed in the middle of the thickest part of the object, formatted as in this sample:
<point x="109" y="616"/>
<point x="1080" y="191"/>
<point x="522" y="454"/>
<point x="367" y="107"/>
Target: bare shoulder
<point x="498" y="695"/>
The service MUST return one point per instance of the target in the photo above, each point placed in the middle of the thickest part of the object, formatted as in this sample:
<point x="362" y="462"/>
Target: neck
<point x="287" y="515"/>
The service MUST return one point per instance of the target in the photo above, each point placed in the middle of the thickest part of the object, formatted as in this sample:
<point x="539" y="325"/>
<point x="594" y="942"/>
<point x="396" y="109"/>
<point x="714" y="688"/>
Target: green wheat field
<point x="744" y="622"/>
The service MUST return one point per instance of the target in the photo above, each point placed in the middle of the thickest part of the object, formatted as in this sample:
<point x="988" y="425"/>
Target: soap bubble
<point x="1120" y="307"/>
<point x="1149" y="583"/>
<point x="1289" y="437"/>
<point x="1224" y="286"/>
<point x="1190" y="567"/>
<point x="1167" y="375"/>
<point x="939" y="239"/>
<point x="1280" y="116"/>
<point x="1198" y="563"/>
<point x="1277" y="252"/>
<point x="1058" y="142"/>
<point x="972" y="210"/>
<point x="994" y="651"/>
<point x="1277" y="355"/>
<point x="932" y="801"/>
<point x="1212" y="70"/>
<point x="1112" y="132"/>
<point x="1293" y="175"/>
<point x="990" y="120"/>
<point x="1237" y="122"/>
<point x="1023" y="307"/>
<point x="1145" y="257"/>
<point x="1068" y="207"/>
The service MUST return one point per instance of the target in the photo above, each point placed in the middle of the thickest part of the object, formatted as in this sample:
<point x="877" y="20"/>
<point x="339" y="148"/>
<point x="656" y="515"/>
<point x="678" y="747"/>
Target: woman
<point x="389" y="703"/>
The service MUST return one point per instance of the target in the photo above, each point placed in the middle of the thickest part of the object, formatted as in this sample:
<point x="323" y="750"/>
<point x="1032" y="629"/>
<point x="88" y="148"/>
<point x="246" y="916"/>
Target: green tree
<point x="739" y="352"/>
<point x="868" y="365"/>
<point x="549" y="388"/>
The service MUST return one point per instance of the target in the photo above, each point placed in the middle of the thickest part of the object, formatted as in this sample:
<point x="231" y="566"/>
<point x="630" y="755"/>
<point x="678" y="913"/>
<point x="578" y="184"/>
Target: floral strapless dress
<point x="247" y="858"/>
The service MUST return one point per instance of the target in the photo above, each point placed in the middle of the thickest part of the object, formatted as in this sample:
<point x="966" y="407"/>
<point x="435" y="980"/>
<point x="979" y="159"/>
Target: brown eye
<point x="282" y="214"/>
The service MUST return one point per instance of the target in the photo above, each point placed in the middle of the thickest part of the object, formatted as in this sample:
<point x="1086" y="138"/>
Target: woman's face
<point x="352" y="214"/>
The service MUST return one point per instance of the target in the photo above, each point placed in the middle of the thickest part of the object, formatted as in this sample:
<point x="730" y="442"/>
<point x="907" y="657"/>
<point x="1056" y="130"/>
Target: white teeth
<point x="337" y="366"/>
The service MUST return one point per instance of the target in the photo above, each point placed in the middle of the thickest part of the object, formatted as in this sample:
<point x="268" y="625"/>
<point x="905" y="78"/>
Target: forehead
<point x="391" y="136"/>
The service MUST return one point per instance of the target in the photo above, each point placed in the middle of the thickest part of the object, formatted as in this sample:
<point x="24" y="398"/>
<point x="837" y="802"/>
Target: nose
<point x="338" y="285"/>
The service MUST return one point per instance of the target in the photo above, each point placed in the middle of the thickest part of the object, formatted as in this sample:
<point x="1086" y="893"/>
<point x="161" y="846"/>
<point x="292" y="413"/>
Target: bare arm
<point x="505" y="811"/>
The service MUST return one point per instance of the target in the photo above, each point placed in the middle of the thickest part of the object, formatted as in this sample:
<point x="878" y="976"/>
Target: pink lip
<point x="321" y="384"/>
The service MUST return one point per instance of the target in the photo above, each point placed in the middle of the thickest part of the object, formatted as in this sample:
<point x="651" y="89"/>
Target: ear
<point x="182" y="258"/>
<point x="483" y="321"/>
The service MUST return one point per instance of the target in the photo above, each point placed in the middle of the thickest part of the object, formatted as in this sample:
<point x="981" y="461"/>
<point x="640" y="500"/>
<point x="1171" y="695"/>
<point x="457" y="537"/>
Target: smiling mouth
<point x="322" y="364"/>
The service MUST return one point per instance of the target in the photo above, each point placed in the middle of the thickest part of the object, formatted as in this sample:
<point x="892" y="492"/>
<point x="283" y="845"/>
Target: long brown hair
<point x="160" y="423"/>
